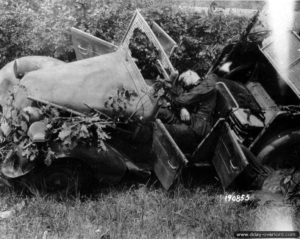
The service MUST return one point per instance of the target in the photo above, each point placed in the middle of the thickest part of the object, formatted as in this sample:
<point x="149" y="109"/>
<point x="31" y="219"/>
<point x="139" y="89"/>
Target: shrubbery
<point x="42" y="27"/>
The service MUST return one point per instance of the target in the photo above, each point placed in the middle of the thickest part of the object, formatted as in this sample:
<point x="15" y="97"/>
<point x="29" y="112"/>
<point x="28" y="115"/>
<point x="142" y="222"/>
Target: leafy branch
<point x="63" y="130"/>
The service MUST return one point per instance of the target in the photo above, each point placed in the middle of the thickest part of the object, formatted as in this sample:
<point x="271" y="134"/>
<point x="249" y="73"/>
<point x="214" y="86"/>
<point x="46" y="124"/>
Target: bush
<point x="42" y="27"/>
<point x="200" y="36"/>
<point x="35" y="28"/>
<point x="145" y="52"/>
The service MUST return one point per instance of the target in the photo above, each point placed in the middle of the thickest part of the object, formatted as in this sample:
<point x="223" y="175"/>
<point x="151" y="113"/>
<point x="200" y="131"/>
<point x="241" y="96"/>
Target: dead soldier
<point x="188" y="117"/>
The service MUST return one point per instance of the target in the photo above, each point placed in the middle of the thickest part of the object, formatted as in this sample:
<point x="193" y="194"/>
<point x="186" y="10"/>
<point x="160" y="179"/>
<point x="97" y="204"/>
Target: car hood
<point x="89" y="83"/>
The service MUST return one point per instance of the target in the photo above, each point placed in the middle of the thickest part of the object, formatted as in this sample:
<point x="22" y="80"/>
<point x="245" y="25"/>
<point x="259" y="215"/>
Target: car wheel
<point x="281" y="151"/>
<point x="281" y="154"/>
<point x="63" y="176"/>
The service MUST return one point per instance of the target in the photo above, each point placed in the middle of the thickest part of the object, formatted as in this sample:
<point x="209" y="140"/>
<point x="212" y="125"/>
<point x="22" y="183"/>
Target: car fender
<point x="11" y="73"/>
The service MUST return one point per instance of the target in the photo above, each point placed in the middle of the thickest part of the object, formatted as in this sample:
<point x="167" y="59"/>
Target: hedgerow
<point x="42" y="27"/>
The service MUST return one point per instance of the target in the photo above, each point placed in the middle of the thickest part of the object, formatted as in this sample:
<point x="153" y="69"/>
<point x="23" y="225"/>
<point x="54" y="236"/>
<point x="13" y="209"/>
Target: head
<point x="189" y="78"/>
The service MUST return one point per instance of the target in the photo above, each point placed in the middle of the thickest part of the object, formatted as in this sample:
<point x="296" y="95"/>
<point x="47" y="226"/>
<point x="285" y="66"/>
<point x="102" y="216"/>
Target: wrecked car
<point x="79" y="92"/>
<point x="255" y="120"/>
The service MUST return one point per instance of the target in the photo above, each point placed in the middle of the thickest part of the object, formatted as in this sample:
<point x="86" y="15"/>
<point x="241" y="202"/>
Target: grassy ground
<point x="139" y="212"/>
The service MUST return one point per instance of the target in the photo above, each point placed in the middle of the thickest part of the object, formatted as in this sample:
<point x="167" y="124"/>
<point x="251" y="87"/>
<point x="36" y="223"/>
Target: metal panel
<point x="87" y="46"/>
<point x="225" y="101"/>
<point x="205" y="150"/>
<point x="169" y="158"/>
<point x="139" y="22"/>
<point x="229" y="159"/>
<point x="136" y="75"/>
<point x="292" y="78"/>
<point x="90" y="82"/>
<point x="264" y="100"/>
<point x="165" y="40"/>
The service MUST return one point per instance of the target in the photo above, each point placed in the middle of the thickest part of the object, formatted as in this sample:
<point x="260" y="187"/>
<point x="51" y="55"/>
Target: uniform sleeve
<point x="198" y="93"/>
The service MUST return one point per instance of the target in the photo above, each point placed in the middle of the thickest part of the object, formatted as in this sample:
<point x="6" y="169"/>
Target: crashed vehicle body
<point x="261" y="98"/>
<point x="81" y="87"/>
<point x="256" y="117"/>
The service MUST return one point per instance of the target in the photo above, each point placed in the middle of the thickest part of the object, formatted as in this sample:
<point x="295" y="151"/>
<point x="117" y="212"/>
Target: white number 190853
<point x="237" y="197"/>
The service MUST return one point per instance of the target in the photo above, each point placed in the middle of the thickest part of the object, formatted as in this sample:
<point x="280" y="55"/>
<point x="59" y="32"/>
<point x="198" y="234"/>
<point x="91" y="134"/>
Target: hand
<point x="163" y="102"/>
<point x="185" y="115"/>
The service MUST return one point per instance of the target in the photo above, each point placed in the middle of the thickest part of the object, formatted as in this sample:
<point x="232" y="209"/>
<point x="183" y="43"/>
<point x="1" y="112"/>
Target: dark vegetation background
<point x="42" y="27"/>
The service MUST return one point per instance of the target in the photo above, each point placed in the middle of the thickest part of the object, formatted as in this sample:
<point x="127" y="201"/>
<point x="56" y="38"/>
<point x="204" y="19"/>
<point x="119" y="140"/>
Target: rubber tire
<point x="279" y="147"/>
<point x="254" y="174"/>
<point x="64" y="176"/>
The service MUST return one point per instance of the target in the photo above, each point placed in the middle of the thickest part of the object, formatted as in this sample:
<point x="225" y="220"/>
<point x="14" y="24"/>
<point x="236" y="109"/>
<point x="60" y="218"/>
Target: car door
<point x="169" y="159"/>
<point x="87" y="45"/>
<point x="164" y="39"/>
<point x="139" y="22"/>
<point x="229" y="159"/>
<point x="222" y="149"/>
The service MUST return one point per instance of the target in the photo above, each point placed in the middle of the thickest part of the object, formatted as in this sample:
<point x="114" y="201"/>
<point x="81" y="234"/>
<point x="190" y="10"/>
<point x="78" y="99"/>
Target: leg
<point x="184" y="136"/>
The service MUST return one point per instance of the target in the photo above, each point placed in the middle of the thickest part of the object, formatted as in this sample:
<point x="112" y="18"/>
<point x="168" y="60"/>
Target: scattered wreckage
<point x="256" y="117"/>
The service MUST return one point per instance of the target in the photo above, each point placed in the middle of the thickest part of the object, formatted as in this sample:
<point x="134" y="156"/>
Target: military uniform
<point x="200" y="101"/>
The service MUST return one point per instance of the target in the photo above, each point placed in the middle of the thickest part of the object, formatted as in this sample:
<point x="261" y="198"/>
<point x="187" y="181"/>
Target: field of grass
<point x="138" y="212"/>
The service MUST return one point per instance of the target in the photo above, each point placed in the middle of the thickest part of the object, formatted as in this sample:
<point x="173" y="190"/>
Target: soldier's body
<point x="189" y="117"/>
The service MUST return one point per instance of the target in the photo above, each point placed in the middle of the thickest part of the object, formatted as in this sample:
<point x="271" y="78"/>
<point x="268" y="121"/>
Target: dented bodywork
<point x="102" y="68"/>
<point x="241" y="127"/>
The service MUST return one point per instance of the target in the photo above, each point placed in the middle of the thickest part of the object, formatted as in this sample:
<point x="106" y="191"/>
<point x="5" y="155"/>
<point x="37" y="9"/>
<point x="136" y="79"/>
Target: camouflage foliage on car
<point x="64" y="131"/>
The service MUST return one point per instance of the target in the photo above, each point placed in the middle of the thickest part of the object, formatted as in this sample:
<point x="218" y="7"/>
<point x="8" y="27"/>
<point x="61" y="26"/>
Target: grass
<point x="140" y="212"/>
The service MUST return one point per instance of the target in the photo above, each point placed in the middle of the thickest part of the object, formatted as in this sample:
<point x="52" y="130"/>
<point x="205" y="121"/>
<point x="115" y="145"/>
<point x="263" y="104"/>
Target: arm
<point x="198" y="93"/>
